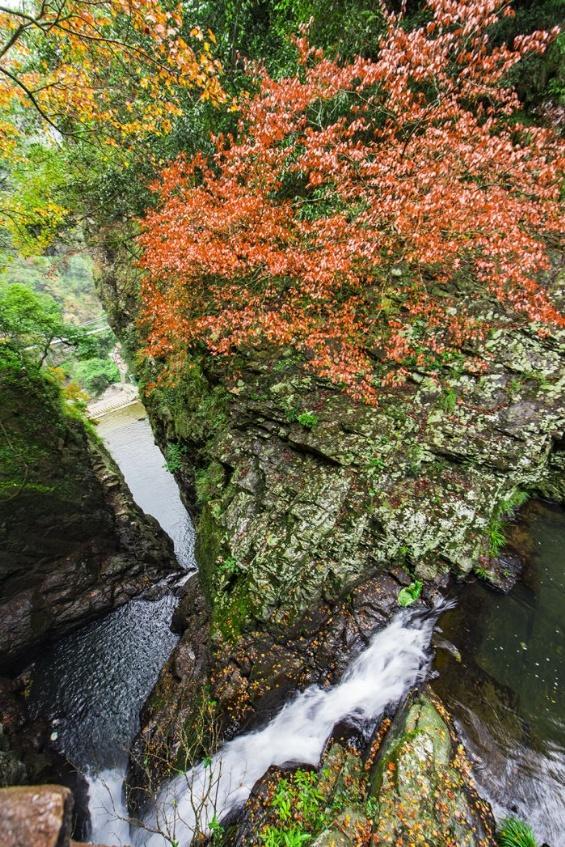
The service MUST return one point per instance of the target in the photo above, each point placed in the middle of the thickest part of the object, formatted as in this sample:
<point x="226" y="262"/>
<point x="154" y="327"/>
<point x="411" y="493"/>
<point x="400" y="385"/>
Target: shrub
<point x="409" y="595"/>
<point x="95" y="375"/>
<point x="308" y="420"/>
<point x="173" y="457"/>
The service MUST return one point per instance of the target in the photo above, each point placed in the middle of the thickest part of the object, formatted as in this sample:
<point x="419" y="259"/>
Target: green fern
<point x="515" y="833"/>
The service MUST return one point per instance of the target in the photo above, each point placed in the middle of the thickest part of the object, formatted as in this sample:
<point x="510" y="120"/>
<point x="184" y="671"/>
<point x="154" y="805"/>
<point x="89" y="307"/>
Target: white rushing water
<point x="108" y="812"/>
<point x="397" y="657"/>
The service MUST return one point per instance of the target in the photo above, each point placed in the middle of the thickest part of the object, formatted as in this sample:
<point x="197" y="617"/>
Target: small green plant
<point x="483" y="573"/>
<point x="307" y="419"/>
<point x="310" y="799"/>
<point x="173" y="457"/>
<point x="372" y="808"/>
<point x="403" y="552"/>
<point x="295" y="837"/>
<point x="376" y="463"/>
<point x="504" y="509"/>
<point x="496" y="536"/>
<point x="512" y="502"/>
<point x="229" y="567"/>
<point x="217" y="830"/>
<point x="409" y="594"/>
<point x="542" y="381"/>
<point x="515" y="833"/>
<point x="282" y="801"/>
<point x="514" y="387"/>
<point x="448" y="400"/>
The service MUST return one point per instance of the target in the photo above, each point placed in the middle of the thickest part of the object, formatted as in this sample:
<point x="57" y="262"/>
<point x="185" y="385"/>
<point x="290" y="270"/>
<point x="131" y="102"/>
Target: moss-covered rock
<point x="422" y="787"/>
<point x="410" y="787"/>
<point x="302" y="491"/>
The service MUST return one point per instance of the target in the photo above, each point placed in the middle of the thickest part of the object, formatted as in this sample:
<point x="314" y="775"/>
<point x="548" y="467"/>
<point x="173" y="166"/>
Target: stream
<point x="506" y="694"/>
<point x="92" y="683"/>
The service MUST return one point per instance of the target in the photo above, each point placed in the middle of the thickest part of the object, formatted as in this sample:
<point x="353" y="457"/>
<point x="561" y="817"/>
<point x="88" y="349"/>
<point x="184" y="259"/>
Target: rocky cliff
<point x="73" y="544"/>
<point x="313" y="511"/>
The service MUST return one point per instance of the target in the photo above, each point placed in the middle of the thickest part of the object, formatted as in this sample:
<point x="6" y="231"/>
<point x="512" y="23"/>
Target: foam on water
<point x="396" y="659"/>
<point x="108" y="813"/>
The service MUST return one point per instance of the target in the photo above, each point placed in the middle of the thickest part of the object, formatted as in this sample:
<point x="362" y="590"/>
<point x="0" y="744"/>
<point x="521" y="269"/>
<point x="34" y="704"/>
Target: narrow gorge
<point x="282" y="424"/>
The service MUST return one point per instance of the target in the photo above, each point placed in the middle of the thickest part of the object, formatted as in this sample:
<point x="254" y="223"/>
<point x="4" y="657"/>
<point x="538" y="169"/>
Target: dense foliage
<point x="30" y="323"/>
<point x="113" y="69"/>
<point x="86" y="89"/>
<point x="34" y="333"/>
<point x="95" y="374"/>
<point x="351" y="193"/>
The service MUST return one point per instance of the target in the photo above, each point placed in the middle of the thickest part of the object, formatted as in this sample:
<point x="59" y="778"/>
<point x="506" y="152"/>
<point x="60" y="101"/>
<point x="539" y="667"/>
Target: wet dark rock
<point x="28" y="757"/>
<point x="175" y="728"/>
<point x="73" y="544"/>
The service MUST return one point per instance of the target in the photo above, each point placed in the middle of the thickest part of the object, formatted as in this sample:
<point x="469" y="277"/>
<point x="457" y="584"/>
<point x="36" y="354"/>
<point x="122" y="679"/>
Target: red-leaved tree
<point x="350" y="195"/>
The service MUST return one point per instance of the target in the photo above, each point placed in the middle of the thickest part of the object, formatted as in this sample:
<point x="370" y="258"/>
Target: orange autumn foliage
<point x="351" y="187"/>
<point x="110" y="71"/>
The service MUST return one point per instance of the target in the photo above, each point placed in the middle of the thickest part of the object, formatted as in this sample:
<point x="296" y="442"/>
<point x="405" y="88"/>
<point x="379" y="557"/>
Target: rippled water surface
<point x="508" y="691"/>
<point x="94" y="682"/>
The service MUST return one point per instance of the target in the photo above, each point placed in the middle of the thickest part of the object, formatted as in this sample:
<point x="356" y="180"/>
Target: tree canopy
<point x="349" y="193"/>
<point x="30" y="322"/>
<point x="112" y="70"/>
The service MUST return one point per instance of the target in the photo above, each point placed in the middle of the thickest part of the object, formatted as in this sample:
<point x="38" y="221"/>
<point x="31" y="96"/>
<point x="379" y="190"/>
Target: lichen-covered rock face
<point x="422" y="787"/>
<point x="305" y="497"/>
<point x="302" y="491"/>
<point x="73" y="544"/>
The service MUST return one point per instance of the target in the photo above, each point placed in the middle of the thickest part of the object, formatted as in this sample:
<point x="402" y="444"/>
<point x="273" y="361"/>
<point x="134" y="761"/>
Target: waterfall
<point x="396" y="658"/>
<point x="109" y="816"/>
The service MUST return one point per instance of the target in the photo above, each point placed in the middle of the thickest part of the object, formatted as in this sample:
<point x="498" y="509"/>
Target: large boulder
<point x="422" y="786"/>
<point x="38" y="816"/>
<point x="35" y="817"/>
